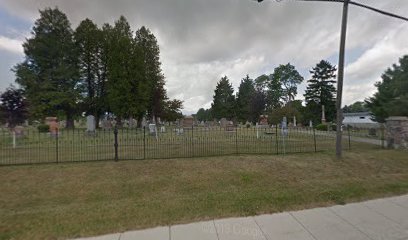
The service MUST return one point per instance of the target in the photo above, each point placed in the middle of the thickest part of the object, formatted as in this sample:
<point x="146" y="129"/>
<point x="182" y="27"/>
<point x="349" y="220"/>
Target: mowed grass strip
<point x="59" y="201"/>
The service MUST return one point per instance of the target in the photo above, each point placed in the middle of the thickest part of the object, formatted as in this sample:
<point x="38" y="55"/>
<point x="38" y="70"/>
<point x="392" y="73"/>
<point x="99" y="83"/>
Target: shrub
<point x="43" y="128"/>
<point x="321" y="127"/>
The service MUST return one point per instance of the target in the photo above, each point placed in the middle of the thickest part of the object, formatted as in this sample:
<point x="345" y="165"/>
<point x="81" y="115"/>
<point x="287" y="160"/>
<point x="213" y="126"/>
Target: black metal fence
<point x="77" y="145"/>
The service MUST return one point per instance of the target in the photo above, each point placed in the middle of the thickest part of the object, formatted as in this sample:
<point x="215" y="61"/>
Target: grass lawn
<point x="58" y="201"/>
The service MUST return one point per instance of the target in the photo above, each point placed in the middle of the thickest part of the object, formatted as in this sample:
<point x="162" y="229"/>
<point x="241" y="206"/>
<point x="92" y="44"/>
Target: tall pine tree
<point x="88" y="40"/>
<point x="223" y="105"/>
<point x="246" y="92"/>
<point x="49" y="73"/>
<point x="391" y="98"/>
<point x="321" y="91"/>
<point x="155" y="96"/>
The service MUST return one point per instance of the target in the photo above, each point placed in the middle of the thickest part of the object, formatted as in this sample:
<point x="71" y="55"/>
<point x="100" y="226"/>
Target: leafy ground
<point x="57" y="201"/>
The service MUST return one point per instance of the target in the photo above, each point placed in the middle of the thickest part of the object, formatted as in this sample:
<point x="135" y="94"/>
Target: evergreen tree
<point x="88" y="39"/>
<point x="13" y="107"/>
<point x="204" y="114"/>
<point x="321" y="91"/>
<point x="154" y="78"/>
<point x="223" y="105"/>
<point x="125" y="72"/>
<point x="246" y="92"/>
<point x="257" y="108"/>
<point x="391" y="98"/>
<point x="49" y="73"/>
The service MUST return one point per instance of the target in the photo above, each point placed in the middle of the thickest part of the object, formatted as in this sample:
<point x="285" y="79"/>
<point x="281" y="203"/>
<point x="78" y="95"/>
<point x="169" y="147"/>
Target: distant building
<point x="360" y="119"/>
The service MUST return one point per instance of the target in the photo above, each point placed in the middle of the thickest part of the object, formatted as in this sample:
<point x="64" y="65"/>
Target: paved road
<point x="382" y="219"/>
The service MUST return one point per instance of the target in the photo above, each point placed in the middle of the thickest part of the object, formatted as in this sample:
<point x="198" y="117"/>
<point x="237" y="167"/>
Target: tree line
<point x="274" y="95"/>
<point x="93" y="70"/>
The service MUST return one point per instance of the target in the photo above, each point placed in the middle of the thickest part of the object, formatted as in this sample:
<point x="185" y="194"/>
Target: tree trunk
<point x="139" y="121"/>
<point x="97" y="118"/>
<point x="70" y="121"/>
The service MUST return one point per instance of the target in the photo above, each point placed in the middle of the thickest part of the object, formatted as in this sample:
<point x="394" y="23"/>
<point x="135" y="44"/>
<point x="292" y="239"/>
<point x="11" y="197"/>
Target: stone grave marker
<point x="90" y="124"/>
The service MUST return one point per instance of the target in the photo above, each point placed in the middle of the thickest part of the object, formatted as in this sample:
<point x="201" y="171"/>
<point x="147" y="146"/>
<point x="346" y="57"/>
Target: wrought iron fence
<point x="31" y="146"/>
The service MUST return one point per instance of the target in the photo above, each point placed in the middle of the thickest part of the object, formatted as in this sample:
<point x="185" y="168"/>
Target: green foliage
<point x="43" y="128"/>
<point x="153" y="87"/>
<point x="204" y="115"/>
<point x="172" y="110"/>
<point x="391" y="98"/>
<point x="223" y="105"/>
<point x="322" y="127"/>
<point x="290" y="110"/>
<point x="92" y="67"/>
<point x="282" y="85"/>
<point x="321" y="91"/>
<point x="246" y="92"/>
<point x="355" y="107"/>
<point x="13" y="107"/>
<point x="49" y="73"/>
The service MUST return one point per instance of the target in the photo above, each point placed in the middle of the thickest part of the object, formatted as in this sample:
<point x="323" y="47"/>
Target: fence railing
<point x="77" y="145"/>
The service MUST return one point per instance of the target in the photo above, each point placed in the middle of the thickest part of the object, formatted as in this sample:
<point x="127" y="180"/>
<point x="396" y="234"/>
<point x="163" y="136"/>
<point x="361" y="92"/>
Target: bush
<point x="43" y="128"/>
<point x="321" y="127"/>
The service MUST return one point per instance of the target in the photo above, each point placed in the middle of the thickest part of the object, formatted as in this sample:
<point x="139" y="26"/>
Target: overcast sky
<point x="202" y="40"/>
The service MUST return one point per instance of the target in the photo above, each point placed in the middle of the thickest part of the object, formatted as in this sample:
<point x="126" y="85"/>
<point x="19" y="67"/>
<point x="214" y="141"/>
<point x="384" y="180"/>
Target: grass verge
<point x="60" y="201"/>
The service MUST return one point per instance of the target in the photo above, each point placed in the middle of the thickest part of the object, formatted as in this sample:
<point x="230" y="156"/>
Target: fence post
<point x="115" y="132"/>
<point x="192" y="140"/>
<point x="236" y="140"/>
<point x="314" y="139"/>
<point x="144" y="142"/>
<point x="277" y="141"/>
<point x="382" y="136"/>
<point x="349" y="137"/>
<point x="56" y="145"/>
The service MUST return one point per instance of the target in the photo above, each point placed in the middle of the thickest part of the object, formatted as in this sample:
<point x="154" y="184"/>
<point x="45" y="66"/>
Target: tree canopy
<point x="321" y="91"/>
<point x="223" y="105"/>
<point x="391" y="98"/>
<point x="49" y="74"/>
<point x="13" y="107"/>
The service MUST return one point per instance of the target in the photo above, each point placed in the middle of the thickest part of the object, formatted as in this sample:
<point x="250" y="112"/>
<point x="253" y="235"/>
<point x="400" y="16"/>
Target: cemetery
<point x="185" y="138"/>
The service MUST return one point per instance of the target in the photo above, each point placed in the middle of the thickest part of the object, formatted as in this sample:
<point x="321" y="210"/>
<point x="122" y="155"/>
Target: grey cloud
<point x="201" y="40"/>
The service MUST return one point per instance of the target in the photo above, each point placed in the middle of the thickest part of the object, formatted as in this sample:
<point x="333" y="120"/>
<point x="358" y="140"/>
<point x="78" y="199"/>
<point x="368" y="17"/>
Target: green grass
<point x="58" y="201"/>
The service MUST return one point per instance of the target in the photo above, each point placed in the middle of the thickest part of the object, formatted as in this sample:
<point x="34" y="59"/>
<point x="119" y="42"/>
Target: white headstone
<point x="90" y="123"/>
<point x="284" y="126"/>
<point x="294" y="121"/>
<point x="310" y="123"/>
<point x="152" y="129"/>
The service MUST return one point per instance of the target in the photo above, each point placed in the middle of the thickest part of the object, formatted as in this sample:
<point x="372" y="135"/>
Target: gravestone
<point x="263" y="120"/>
<point x="19" y="131"/>
<point x="188" y="122"/>
<point x="106" y="124"/>
<point x="152" y="129"/>
<point x="90" y="124"/>
<point x="223" y="122"/>
<point x="53" y="124"/>
<point x="310" y="124"/>
<point x="284" y="126"/>
<point x="144" y="122"/>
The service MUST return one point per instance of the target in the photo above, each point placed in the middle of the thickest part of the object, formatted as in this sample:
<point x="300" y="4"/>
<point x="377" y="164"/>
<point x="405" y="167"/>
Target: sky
<point x="203" y="40"/>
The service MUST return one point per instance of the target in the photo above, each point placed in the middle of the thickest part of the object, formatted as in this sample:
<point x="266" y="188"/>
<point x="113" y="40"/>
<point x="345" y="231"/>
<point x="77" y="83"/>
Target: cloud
<point x="11" y="45"/>
<point x="202" y="40"/>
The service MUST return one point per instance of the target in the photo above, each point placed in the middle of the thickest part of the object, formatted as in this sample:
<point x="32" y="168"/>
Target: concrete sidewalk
<point x="382" y="219"/>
